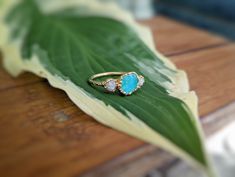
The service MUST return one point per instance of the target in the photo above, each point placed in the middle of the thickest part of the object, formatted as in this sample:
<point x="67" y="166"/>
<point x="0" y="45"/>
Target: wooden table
<point x="44" y="134"/>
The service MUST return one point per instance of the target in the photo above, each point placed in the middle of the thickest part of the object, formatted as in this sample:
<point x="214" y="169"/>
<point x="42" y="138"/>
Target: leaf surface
<point x="72" y="47"/>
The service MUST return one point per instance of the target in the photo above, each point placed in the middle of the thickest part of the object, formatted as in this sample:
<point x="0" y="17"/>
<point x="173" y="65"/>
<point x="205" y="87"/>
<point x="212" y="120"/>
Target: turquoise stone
<point x="129" y="83"/>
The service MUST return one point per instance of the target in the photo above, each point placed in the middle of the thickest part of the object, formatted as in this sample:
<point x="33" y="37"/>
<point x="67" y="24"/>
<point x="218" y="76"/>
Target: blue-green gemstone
<point x="129" y="83"/>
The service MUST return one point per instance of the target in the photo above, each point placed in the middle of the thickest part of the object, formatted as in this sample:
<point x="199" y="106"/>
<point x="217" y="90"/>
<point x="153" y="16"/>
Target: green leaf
<point x="68" y="46"/>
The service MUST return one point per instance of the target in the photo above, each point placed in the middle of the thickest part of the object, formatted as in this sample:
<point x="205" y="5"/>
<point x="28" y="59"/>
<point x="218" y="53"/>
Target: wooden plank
<point x="211" y="74"/>
<point x="44" y="134"/>
<point x="137" y="163"/>
<point x="173" y="37"/>
<point x="8" y="81"/>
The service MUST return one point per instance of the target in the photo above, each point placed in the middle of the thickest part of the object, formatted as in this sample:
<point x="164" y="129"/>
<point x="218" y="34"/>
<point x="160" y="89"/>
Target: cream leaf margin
<point x="106" y="115"/>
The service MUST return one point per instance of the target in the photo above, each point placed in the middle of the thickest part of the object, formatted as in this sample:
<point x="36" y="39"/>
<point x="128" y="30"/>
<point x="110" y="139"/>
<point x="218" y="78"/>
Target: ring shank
<point x="101" y="83"/>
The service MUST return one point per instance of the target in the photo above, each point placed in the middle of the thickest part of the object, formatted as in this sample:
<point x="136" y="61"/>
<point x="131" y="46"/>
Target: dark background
<point x="214" y="15"/>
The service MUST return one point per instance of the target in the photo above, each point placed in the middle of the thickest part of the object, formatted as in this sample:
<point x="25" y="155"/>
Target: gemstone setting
<point x="128" y="83"/>
<point x="110" y="85"/>
<point x="141" y="81"/>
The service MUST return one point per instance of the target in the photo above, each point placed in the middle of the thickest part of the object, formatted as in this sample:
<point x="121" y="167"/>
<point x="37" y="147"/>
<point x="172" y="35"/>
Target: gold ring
<point x="124" y="82"/>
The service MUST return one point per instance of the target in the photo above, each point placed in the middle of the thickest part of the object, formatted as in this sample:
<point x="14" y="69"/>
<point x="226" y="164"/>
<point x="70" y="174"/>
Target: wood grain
<point x="44" y="134"/>
<point x="49" y="136"/>
<point x="211" y="73"/>
<point x="172" y="38"/>
<point x="8" y="81"/>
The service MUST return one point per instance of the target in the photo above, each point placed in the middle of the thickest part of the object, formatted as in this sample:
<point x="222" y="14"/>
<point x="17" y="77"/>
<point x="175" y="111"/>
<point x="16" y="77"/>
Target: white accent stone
<point x="141" y="81"/>
<point x="111" y="85"/>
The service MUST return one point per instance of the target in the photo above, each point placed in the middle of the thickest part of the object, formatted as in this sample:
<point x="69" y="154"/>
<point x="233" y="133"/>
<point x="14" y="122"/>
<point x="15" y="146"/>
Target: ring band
<point x="125" y="82"/>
